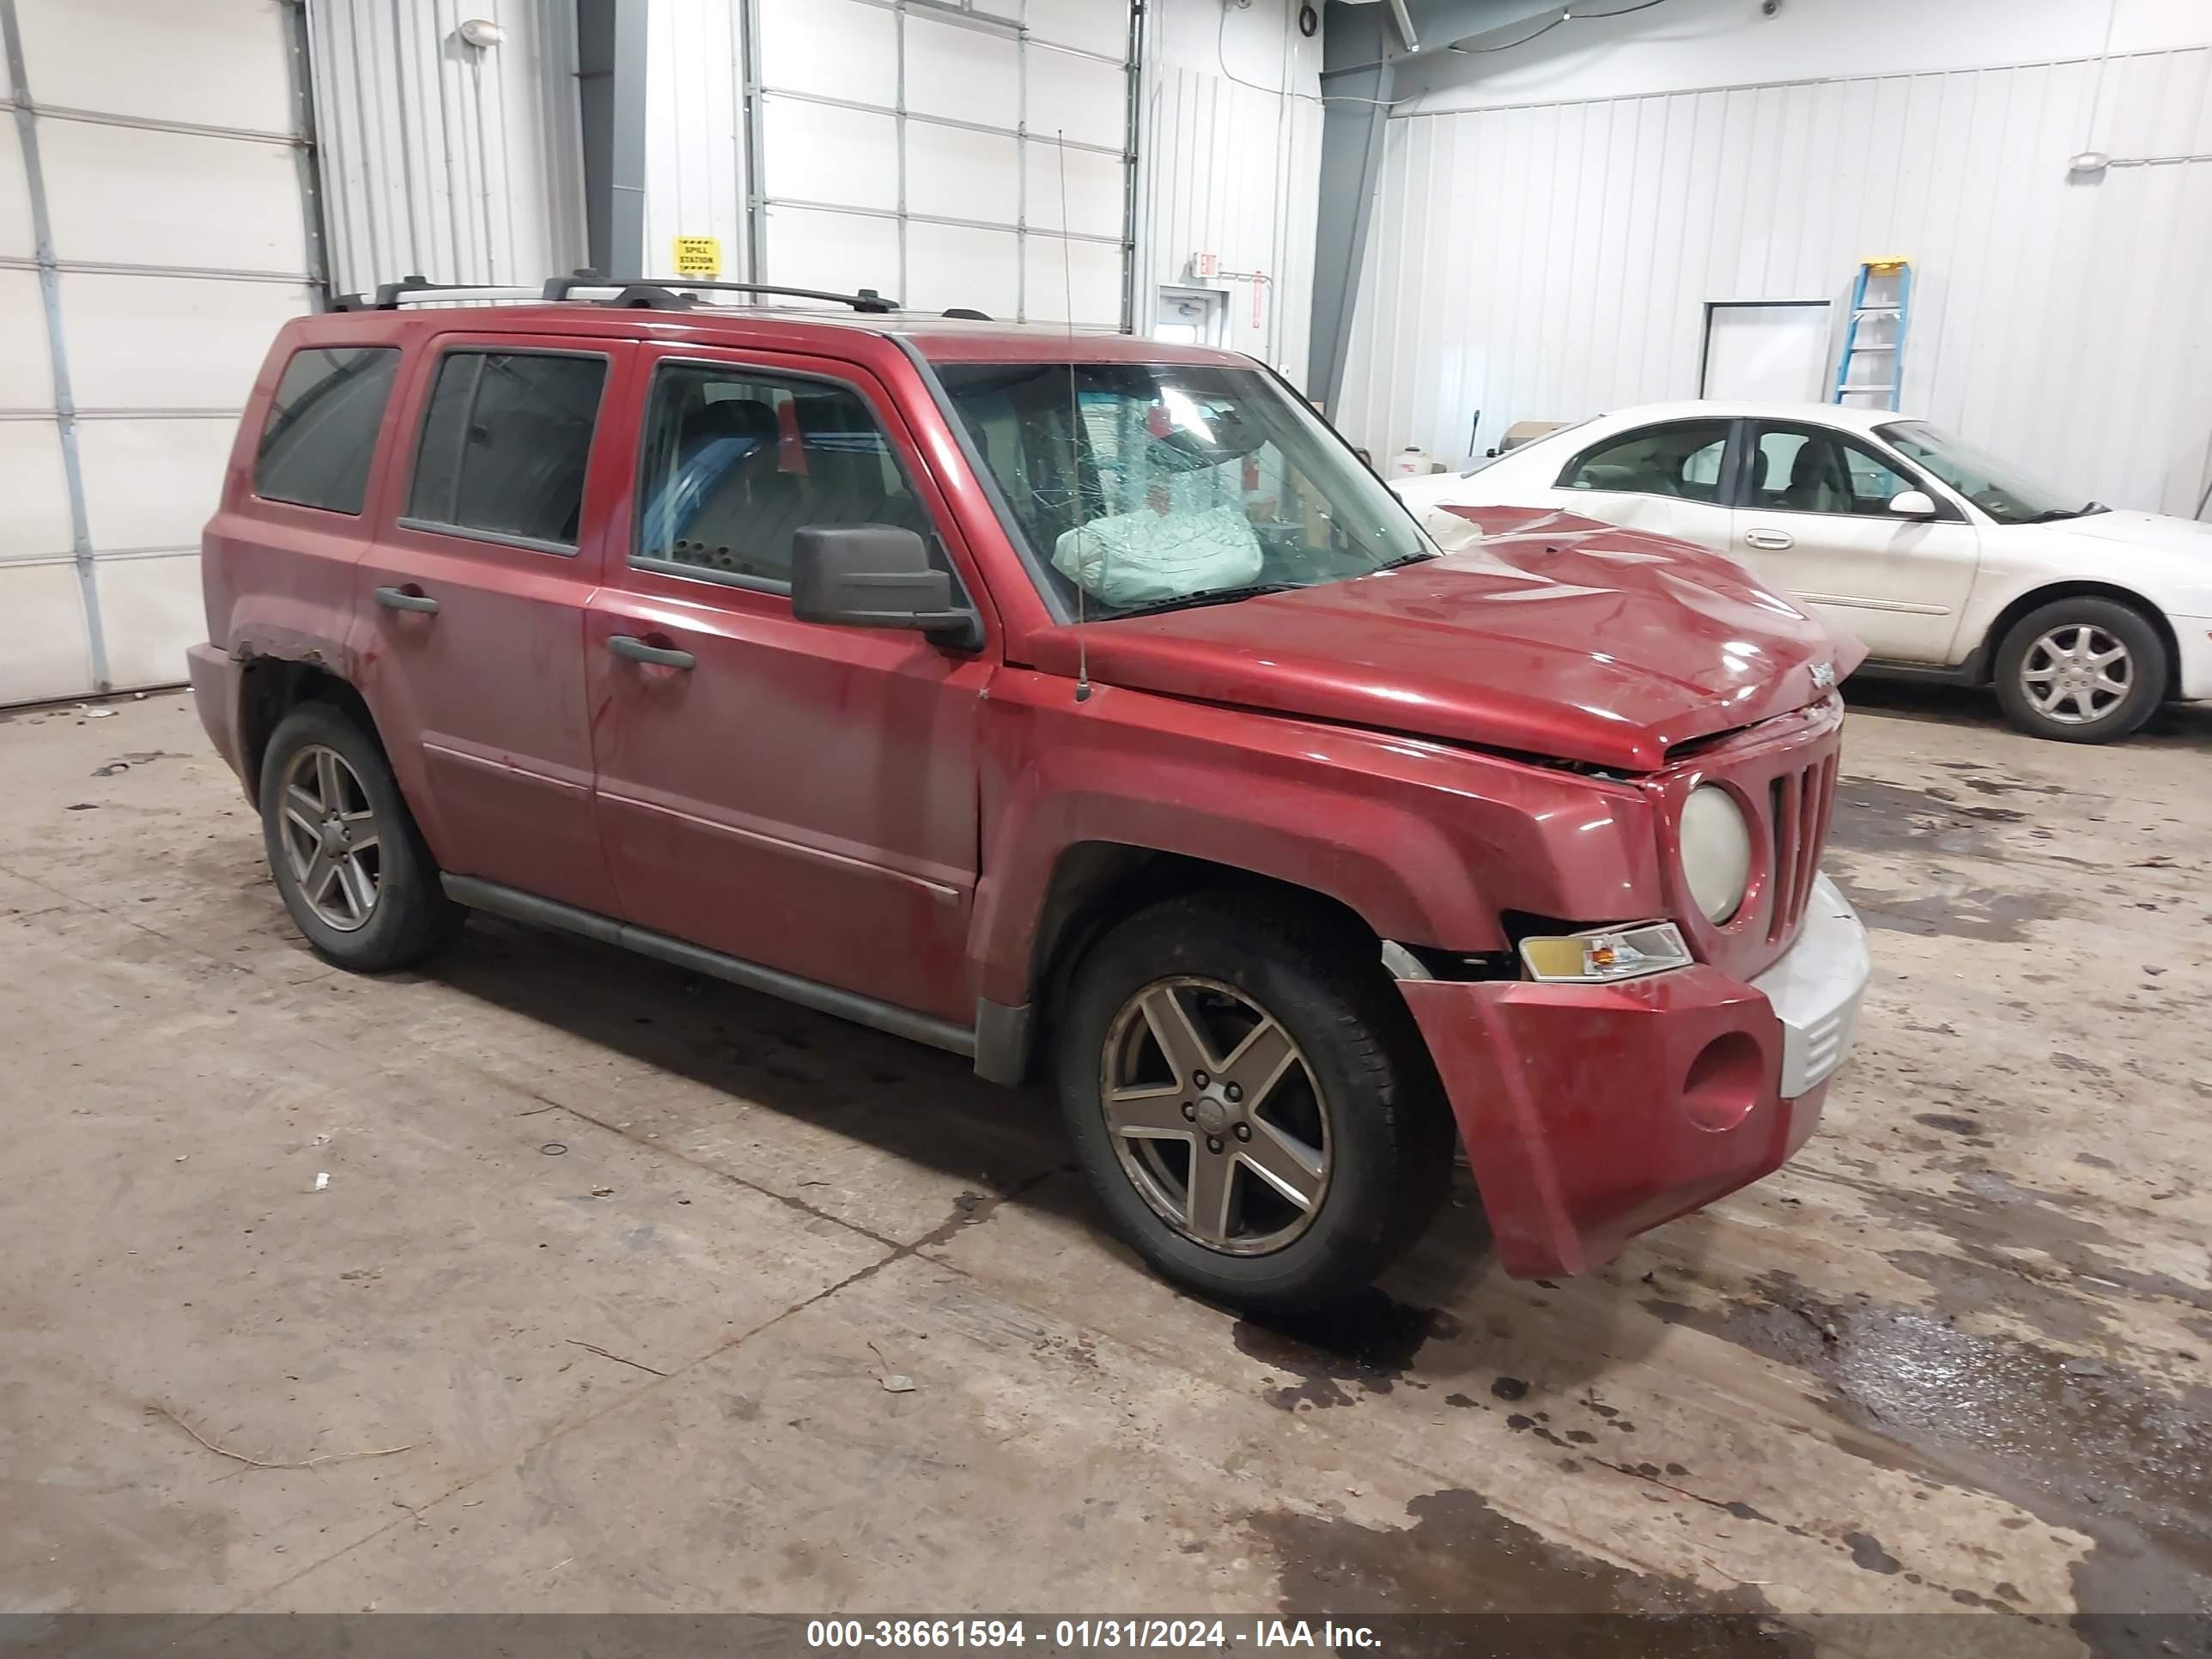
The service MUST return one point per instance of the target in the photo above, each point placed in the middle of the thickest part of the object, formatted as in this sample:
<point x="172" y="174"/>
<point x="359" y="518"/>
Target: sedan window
<point x="1680" y="459"/>
<point x="1797" y="469"/>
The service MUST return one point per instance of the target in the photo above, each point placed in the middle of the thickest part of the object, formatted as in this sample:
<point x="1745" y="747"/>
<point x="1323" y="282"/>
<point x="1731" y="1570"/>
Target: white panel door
<point x="965" y="150"/>
<point x="1767" y="353"/>
<point x="164" y="176"/>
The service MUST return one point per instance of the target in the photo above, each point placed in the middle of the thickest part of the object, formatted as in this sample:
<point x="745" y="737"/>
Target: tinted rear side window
<point x="505" y="442"/>
<point x="321" y="436"/>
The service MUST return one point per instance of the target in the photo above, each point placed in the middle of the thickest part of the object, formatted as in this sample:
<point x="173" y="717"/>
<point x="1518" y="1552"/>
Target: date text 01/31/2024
<point x="1218" y="1634"/>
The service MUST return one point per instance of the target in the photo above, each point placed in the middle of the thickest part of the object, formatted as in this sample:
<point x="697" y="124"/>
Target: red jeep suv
<point x="1073" y="702"/>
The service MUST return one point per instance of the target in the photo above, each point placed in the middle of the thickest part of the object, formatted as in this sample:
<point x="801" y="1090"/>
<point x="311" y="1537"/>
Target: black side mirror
<point x="874" y="576"/>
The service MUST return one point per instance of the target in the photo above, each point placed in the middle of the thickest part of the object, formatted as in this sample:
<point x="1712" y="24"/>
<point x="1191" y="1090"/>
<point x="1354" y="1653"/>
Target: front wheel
<point x="2081" y="670"/>
<point x="1250" y="1103"/>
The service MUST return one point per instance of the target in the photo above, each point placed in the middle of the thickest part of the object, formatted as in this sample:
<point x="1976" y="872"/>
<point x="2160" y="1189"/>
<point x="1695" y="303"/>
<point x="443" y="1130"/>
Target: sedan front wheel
<point x="2084" y="669"/>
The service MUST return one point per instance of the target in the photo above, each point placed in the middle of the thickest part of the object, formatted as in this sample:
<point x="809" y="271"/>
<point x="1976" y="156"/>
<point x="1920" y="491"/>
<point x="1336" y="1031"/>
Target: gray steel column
<point x="626" y="253"/>
<point x="300" y="64"/>
<point x="1351" y="159"/>
<point x="756" y="131"/>
<point x="1372" y="55"/>
<point x="50" y="294"/>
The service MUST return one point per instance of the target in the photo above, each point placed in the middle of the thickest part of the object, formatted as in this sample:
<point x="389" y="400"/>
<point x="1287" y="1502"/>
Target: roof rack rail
<point x="389" y="296"/>
<point x="674" y="293"/>
<point x="592" y="287"/>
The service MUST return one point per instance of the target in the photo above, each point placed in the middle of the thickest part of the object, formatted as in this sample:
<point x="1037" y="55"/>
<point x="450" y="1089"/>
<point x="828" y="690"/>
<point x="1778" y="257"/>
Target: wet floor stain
<point x="1459" y="1555"/>
<point x="1981" y="914"/>
<point x="2099" y="1450"/>
<point x="1990" y="1220"/>
<point x="1362" y="1346"/>
<point x="1867" y="1552"/>
<point x="1948" y="1123"/>
<point x="1988" y="786"/>
<point x="1890" y="819"/>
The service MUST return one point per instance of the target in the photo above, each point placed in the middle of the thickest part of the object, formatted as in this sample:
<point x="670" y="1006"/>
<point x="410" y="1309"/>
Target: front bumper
<point x="1593" y="1112"/>
<point x="2194" y="635"/>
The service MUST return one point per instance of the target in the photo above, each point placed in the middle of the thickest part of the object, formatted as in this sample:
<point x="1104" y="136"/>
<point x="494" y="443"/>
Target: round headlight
<point x="1715" y="851"/>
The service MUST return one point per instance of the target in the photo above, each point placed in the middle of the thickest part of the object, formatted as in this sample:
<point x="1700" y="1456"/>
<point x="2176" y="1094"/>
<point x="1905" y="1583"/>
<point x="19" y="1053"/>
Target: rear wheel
<point x="344" y="849"/>
<point x="1254" y="1110"/>
<point x="2081" y="670"/>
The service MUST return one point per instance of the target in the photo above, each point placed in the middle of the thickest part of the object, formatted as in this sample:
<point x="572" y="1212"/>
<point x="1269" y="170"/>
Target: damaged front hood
<point x="1550" y="634"/>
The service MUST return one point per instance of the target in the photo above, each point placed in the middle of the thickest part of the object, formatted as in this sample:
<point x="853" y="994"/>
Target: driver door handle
<point x="631" y="649"/>
<point x="409" y="598"/>
<point x="1768" y="538"/>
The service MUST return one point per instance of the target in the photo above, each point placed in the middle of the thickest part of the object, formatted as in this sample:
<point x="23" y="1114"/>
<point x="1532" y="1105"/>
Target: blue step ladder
<point x="1891" y="305"/>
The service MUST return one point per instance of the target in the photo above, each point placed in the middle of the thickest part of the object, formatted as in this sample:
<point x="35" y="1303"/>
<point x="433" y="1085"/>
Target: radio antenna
<point x="1074" y="426"/>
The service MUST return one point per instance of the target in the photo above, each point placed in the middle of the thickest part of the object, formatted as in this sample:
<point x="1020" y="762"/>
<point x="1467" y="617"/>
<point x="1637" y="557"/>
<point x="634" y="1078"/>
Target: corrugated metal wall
<point x="1235" y="170"/>
<point x="461" y="163"/>
<point x="1551" y="262"/>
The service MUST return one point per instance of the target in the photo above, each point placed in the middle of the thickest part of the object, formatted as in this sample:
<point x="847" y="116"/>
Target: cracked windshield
<point x="1157" y="485"/>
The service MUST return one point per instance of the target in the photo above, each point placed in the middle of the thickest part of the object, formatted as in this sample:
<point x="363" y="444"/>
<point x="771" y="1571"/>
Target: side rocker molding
<point x="518" y="906"/>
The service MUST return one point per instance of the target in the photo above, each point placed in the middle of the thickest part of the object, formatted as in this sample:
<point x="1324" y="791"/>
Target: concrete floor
<point x="620" y="1259"/>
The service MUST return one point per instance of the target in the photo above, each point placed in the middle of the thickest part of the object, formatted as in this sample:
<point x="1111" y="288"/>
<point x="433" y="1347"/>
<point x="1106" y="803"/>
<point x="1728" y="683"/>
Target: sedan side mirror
<point x="875" y="575"/>
<point x="1912" y="504"/>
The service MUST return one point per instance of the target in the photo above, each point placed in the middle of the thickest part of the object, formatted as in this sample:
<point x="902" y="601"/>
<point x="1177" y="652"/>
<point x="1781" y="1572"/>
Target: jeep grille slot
<point x="1799" y="805"/>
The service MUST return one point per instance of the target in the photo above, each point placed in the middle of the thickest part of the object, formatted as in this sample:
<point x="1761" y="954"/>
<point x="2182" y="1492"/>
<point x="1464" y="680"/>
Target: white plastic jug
<point x="1412" y="462"/>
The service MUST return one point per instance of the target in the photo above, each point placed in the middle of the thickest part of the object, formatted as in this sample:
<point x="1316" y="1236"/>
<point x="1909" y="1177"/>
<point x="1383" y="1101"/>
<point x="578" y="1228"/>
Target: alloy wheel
<point x="1217" y="1118"/>
<point x="331" y="838"/>
<point x="2076" y="674"/>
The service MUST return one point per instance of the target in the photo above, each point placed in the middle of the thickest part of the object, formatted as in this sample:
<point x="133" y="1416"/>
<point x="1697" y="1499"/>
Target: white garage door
<point x="152" y="237"/>
<point x="919" y="148"/>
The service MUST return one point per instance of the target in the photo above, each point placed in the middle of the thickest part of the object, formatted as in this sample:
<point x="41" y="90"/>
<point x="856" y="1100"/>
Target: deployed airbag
<point x="1137" y="558"/>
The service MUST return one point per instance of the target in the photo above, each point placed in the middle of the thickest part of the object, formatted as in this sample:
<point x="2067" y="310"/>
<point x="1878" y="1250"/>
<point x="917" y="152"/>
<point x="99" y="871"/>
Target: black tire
<point x="410" y="915"/>
<point x="1389" y="1134"/>
<point x="2147" y="664"/>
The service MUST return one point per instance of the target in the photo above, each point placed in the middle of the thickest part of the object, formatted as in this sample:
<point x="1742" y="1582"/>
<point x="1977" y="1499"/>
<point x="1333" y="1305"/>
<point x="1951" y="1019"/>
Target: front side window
<point x="323" y="422"/>
<point x="1145" y="486"/>
<point x="737" y="460"/>
<point x="1683" y="460"/>
<point x="1995" y="486"/>
<point x="505" y="444"/>
<point x="1813" y="470"/>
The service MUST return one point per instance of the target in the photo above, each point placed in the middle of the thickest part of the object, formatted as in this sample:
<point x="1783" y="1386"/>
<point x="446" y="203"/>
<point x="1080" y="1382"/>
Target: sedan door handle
<point x="1768" y="538"/>
<point x="409" y="598"/>
<point x="636" y="650"/>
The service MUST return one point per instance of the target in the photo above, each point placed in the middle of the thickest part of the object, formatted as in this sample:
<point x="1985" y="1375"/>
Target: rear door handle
<point x="636" y="650"/>
<point x="1768" y="538"/>
<point x="407" y="598"/>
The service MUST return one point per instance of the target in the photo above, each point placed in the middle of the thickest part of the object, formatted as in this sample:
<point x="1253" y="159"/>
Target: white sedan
<point x="1944" y="560"/>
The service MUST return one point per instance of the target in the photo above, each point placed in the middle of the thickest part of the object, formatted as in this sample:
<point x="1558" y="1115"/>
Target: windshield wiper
<point x="1210" y="596"/>
<point x="2057" y="512"/>
<point x="1417" y="556"/>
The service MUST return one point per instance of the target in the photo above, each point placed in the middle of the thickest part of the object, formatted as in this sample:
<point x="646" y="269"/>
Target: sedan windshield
<point x="1991" y="484"/>
<point x="1150" y="486"/>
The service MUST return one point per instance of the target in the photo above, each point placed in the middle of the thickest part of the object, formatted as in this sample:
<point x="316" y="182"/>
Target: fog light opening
<point x="1724" y="1081"/>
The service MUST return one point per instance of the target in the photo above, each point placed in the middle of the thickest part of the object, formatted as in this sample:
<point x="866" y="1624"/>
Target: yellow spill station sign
<point x="698" y="256"/>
